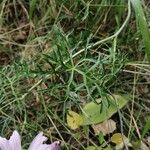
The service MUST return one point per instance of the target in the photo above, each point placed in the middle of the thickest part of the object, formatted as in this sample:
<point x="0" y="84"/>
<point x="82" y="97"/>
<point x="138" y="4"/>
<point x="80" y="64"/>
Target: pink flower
<point x="38" y="143"/>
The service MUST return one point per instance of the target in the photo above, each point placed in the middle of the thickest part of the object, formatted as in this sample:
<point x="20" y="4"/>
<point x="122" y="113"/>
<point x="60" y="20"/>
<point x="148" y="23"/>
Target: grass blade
<point x="32" y="7"/>
<point x="143" y="27"/>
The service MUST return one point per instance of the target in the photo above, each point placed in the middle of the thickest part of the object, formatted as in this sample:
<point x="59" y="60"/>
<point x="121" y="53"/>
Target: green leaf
<point x="101" y="138"/>
<point x="142" y="25"/>
<point x="97" y="148"/>
<point x="32" y="7"/>
<point x="90" y="148"/>
<point x="93" y="148"/>
<point x="146" y="127"/>
<point x="93" y="114"/>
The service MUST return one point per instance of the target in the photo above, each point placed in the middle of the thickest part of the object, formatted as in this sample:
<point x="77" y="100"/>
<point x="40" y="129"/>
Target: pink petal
<point x="38" y="143"/>
<point x="14" y="143"/>
<point x="4" y="144"/>
<point x="55" y="145"/>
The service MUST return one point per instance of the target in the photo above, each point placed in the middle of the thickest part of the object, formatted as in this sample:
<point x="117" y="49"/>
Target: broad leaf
<point x="95" y="113"/>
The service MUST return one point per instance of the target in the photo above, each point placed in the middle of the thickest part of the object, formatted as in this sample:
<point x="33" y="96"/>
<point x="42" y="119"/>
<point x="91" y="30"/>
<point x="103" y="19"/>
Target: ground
<point x="59" y="55"/>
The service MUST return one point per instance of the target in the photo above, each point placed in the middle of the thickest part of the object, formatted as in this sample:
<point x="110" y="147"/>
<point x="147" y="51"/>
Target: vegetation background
<point x="58" y="55"/>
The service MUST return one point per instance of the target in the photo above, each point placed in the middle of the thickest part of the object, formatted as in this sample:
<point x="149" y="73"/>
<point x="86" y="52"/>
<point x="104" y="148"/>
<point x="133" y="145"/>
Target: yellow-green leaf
<point x="74" y="120"/>
<point x="117" y="138"/>
<point x="120" y="140"/>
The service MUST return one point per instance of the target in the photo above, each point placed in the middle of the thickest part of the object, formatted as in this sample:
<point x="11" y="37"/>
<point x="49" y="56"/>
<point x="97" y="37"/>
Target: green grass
<point x="58" y="55"/>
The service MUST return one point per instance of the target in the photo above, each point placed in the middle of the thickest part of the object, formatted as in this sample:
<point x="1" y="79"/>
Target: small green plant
<point x="60" y="55"/>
